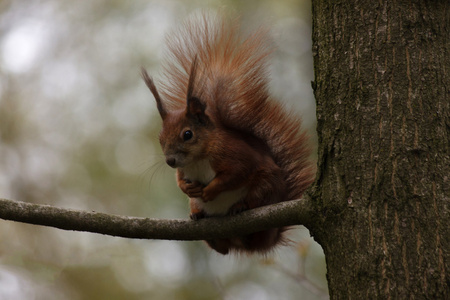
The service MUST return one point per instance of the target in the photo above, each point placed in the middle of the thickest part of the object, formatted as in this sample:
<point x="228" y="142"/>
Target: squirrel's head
<point x="185" y="133"/>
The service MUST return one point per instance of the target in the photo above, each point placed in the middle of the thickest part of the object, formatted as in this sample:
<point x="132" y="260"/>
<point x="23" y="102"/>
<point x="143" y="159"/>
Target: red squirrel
<point x="233" y="147"/>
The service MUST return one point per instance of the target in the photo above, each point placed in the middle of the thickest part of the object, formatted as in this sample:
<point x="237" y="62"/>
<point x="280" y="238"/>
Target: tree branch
<point x="287" y="213"/>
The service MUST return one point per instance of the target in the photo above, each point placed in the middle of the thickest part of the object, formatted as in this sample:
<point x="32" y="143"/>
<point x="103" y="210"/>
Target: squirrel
<point x="234" y="148"/>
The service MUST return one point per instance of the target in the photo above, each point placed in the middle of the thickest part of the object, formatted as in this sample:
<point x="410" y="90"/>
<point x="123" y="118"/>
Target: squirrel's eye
<point x="187" y="135"/>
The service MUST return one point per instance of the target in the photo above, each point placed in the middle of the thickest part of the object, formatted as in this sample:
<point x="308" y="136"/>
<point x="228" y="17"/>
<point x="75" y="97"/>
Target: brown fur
<point x="216" y="87"/>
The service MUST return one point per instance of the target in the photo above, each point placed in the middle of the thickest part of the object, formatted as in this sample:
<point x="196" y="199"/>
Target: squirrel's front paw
<point x="208" y="194"/>
<point x="192" y="189"/>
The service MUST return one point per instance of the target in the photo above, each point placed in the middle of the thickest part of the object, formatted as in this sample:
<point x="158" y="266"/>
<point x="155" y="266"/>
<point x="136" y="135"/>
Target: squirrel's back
<point x="231" y="73"/>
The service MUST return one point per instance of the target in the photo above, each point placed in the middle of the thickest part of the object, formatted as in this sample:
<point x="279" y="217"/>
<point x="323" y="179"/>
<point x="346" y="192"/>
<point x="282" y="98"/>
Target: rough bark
<point x="382" y="192"/>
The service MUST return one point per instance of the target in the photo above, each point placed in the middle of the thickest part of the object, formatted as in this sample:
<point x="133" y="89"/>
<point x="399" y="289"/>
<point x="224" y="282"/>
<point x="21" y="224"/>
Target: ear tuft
<point x="151" y="85"/>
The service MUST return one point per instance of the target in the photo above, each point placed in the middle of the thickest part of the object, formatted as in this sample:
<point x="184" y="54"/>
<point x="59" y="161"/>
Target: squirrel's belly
<point x="222" y="203"/>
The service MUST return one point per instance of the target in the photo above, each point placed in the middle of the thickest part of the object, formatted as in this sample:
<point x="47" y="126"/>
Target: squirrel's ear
<point x="150" y="84"/>
<point x="196" y="109"/>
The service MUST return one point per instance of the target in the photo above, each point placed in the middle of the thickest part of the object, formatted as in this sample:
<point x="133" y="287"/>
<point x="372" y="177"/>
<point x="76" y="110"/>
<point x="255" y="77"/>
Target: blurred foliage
<point x="78" y="129"/>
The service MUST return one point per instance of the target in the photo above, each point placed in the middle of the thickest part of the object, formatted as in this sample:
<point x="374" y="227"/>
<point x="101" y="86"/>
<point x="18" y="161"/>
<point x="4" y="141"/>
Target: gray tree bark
<point x="382" y="191"/>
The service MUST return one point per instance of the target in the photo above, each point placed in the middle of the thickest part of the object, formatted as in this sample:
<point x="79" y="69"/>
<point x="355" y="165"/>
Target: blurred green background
<point x="78" y="129"/>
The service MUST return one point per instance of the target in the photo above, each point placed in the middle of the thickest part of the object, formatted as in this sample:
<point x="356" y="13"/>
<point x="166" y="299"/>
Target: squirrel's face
<point x="185" y="134"/>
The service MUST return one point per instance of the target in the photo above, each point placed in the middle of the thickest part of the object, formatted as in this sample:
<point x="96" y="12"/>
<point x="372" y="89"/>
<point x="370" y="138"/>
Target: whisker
<point x="147" y="176"/>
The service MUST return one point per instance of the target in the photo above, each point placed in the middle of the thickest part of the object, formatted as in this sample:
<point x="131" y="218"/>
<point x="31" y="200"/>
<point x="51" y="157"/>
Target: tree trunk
<point x="382" y="192"/>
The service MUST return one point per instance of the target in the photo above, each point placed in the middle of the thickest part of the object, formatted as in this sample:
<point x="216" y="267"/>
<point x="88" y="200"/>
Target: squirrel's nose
<point x="171" y="162"/>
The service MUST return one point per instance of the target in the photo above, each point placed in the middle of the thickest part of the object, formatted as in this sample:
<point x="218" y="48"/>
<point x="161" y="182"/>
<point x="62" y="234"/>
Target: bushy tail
<point x="232" y="78"/>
